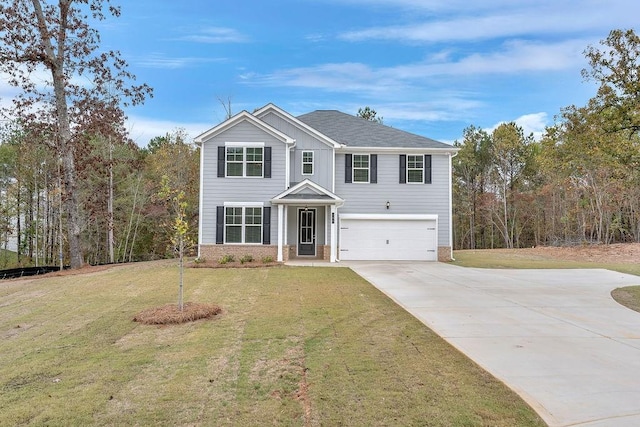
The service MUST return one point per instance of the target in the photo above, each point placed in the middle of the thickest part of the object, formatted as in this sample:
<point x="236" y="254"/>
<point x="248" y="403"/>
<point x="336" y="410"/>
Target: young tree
<point x="180" y="227"/>
<point x="58" y="39"/>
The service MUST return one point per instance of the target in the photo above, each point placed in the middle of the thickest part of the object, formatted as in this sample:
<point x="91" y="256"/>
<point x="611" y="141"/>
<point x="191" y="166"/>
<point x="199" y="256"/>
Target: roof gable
<point x="308" y="192"/>
<point x="272" y="108"/>
<point x="239" y="118"/>
<point x="354" y="131"/>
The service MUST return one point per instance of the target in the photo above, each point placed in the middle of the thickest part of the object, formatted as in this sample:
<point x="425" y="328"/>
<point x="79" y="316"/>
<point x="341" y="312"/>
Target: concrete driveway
<point x="556" y="337"/>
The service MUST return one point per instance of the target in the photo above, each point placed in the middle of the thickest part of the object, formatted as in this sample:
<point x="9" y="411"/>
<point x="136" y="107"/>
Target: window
<point x="244" y="161"/>
<point x="360" y="168"/>
<point x="415" y="169"/>
<point x="307" y="163"/>
<point x="243" y="224"/>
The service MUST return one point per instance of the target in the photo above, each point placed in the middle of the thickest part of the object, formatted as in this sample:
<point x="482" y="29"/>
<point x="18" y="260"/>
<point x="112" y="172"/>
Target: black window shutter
<point x="427" y="168"/>
<point x="267" y="162"/>
<point x="220" y="225"/>
<point x="373" y="175"/>
<point x="403" y="169"/>
<point x="221" y="162"/>
<point x="348" y="158"/>
<point x="266" y="226"/>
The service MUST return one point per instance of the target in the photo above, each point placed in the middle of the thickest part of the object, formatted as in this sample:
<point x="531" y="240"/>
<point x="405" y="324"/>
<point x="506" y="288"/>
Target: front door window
<point x="307" y="232"/>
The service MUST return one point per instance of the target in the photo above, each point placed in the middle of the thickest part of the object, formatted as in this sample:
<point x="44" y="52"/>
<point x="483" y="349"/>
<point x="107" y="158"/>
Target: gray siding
<point x="216" y="190"/>
<point x="403" y="198"/>
<point x="322" y="153"/>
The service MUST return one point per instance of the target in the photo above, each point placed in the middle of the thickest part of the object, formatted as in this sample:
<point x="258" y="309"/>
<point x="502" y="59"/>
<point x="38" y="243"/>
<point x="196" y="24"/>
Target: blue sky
<point x="431" y="67"/>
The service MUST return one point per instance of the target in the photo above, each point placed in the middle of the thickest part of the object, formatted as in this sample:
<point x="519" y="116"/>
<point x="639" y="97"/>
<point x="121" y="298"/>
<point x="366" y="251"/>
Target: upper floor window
<point x="415" y="169"/>
<point x="244" y="161"/>
<point x="307" y="163"/>
<point x="360" y="168"/>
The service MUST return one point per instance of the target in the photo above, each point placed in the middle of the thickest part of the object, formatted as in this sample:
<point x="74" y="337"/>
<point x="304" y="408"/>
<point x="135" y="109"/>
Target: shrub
<point x="267" y="259"/>
<point x="227" y="258"/>
<point x="246" y="258"/>
<point x="199" y="260"/>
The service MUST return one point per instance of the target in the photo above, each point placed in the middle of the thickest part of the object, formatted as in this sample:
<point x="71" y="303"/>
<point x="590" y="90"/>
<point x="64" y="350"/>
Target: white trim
<point x="244" y="144"/>
<point x="245" y="162"/>
<point x="243" y="225"/>
<point x="451" y="156"/>
<point x="353" y="169"/>
<point x="280" y="232"/>
<point x="243" y="204"/>
<point x="334" y="233"/>
<point x="303" y="163"/>
<point x="313" y="186"/>
<point x="301" y="125"/>
<point x="240" y="117"/>
<point x="396" y="150"/>
<point x="392" y="217"/>
<point x="406" y="169"/>
<point x="201" y="203"/>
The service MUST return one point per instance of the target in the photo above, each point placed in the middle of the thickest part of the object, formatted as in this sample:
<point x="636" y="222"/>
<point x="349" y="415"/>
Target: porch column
<point x="280" y="232"/>
<point x="334" y="234"/>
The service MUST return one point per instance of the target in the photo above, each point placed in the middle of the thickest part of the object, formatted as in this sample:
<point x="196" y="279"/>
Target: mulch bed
<point x="170" y="314"/>
<point x="233" y="264"/>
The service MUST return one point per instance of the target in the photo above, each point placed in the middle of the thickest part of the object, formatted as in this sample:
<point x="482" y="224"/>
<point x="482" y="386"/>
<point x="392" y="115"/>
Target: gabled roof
<point x="309" y="193"/>
<point x="354" y="131"/>
<point x="238" y="118"/>
<point x="272" y="108"/>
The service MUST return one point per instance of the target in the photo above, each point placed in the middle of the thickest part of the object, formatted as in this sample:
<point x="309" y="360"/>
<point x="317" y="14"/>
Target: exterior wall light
<point x="388" y="204"/>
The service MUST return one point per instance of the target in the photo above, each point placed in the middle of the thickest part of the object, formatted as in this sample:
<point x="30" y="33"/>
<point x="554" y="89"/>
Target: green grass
<point x="628" y="296"/>
<point x="294" y="346"/>
<point x="8" y="259"/>
<point x="483" y="258"/>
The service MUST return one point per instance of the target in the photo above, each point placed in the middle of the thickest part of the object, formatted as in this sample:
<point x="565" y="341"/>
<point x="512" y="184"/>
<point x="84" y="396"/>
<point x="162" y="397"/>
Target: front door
<point x="307" y="232"/>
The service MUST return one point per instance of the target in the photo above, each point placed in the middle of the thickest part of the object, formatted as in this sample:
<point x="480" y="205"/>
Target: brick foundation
<point x="444" y="253"/>
<point x="258" y="252"/>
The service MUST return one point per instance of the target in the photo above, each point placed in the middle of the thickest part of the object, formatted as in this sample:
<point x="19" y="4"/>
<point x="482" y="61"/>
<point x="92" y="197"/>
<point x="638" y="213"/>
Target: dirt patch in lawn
<point x="618" y="253"/>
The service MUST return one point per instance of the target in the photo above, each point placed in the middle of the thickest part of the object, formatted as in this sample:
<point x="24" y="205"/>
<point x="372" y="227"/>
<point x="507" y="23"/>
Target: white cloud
<point x="467" y="21"/>
<point x="352" y="77"/>
<point x="216" y="35"/>
<point x="157" y="60"/>
<point x="534" y="123"/>
<point x="143" y="129"/>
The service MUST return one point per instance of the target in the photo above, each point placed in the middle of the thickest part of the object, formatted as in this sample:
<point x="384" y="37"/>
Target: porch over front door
<point x="307" y="232"/>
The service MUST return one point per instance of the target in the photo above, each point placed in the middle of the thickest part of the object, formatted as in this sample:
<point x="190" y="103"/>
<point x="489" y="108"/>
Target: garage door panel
<point x="388" y="239"/>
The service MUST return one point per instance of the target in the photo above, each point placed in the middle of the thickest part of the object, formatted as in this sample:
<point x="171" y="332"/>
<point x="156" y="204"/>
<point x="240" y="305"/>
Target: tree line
<point x="579" y="183"/>
<point x="124" y="212"/>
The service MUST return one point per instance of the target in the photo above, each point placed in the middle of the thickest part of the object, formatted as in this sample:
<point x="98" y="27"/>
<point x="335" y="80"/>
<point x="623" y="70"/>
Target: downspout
<point x="451" y="156"/>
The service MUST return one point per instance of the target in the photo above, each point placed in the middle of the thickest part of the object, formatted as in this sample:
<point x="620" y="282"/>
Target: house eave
<point x="238" y="118"/>
<point x="397" y="150"/>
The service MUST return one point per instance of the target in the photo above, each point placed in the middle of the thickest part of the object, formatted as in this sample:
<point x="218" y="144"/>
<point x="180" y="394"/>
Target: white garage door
<point x="388" y="237"/>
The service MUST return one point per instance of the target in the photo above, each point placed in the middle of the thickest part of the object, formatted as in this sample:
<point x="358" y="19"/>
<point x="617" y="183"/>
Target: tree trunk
<point x="55" y="62"/>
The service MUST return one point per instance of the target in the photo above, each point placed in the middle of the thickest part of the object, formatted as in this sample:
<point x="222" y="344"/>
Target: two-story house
<point x="325" y="185"/>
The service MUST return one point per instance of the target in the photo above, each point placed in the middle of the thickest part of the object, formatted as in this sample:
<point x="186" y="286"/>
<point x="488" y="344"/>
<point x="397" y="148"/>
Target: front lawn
<point x="295" y="346"/>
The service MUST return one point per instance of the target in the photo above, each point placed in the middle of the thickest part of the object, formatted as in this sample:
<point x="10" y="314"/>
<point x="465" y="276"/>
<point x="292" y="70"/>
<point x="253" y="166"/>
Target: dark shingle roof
<point x="354" y="131"/>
